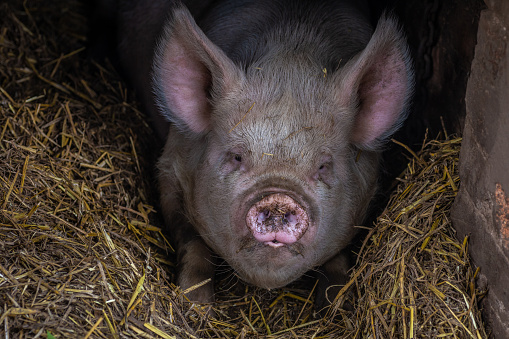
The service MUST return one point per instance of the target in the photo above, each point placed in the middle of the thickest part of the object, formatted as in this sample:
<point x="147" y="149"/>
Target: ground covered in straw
<point x="82" y="254"/>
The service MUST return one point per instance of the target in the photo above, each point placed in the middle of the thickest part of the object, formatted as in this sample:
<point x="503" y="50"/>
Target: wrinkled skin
<point x="278" y="111"/>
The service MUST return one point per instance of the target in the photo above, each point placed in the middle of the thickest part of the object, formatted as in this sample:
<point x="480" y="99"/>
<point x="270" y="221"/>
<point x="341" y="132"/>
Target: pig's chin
<point x="269" y="266"/>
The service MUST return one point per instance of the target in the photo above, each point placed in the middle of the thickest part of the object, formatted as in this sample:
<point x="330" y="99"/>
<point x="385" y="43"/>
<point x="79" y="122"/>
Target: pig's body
<point x="271" y="103"/>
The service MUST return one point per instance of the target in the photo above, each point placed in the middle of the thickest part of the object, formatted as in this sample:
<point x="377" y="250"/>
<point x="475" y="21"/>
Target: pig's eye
<point x="234" y="161"/>
<point x="324" y="173"/>
<point x="324" y="170"/>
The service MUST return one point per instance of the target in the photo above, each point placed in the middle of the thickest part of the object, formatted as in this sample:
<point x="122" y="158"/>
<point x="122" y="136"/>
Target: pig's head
<point x="276" y="161"/>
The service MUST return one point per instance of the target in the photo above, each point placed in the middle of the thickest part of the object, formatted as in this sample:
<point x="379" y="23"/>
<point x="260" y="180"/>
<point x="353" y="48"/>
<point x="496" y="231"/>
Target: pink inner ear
<point x="382" y="92"/>
<point x="185" y="82"/>
<point x="188" y="67"/>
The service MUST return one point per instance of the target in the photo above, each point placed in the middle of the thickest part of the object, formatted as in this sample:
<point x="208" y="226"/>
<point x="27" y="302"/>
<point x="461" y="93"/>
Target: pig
<point x="275" y="114"/>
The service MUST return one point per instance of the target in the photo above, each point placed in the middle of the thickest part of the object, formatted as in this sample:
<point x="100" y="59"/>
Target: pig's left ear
<point x="378" y="84"/>
<point x="189" y="70"/>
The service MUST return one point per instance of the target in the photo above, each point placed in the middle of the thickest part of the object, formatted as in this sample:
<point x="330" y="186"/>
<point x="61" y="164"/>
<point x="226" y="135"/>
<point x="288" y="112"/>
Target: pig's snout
<point x="277" y="220"/>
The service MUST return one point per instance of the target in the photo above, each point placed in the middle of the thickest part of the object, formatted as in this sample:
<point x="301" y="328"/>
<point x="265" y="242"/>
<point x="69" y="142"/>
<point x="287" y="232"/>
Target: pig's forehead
<point x="283" y="111"/>
<point x="284" y="129"/>
<point x="304" y="79"/>
<point x="293" y="105"/>
<point x="296" y="94"/>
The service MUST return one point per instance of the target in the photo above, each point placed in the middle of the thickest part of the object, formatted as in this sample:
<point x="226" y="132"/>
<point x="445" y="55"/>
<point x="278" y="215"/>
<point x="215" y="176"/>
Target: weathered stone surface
<point x="482" y="206"/>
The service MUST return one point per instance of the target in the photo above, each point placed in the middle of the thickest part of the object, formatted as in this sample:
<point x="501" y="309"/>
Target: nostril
<point x="290" y="217"/>
<point x="264" y="215"/>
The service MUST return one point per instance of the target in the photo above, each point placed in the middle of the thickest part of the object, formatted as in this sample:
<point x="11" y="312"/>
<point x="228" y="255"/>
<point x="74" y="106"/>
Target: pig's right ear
<point x="189" y="70"/>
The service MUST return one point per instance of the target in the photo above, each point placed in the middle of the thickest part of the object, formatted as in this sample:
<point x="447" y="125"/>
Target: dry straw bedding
<point x="81" y="251"/>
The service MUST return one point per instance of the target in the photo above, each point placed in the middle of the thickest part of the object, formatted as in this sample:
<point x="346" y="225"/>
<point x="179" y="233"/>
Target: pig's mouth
<point x="277" y="220"/>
